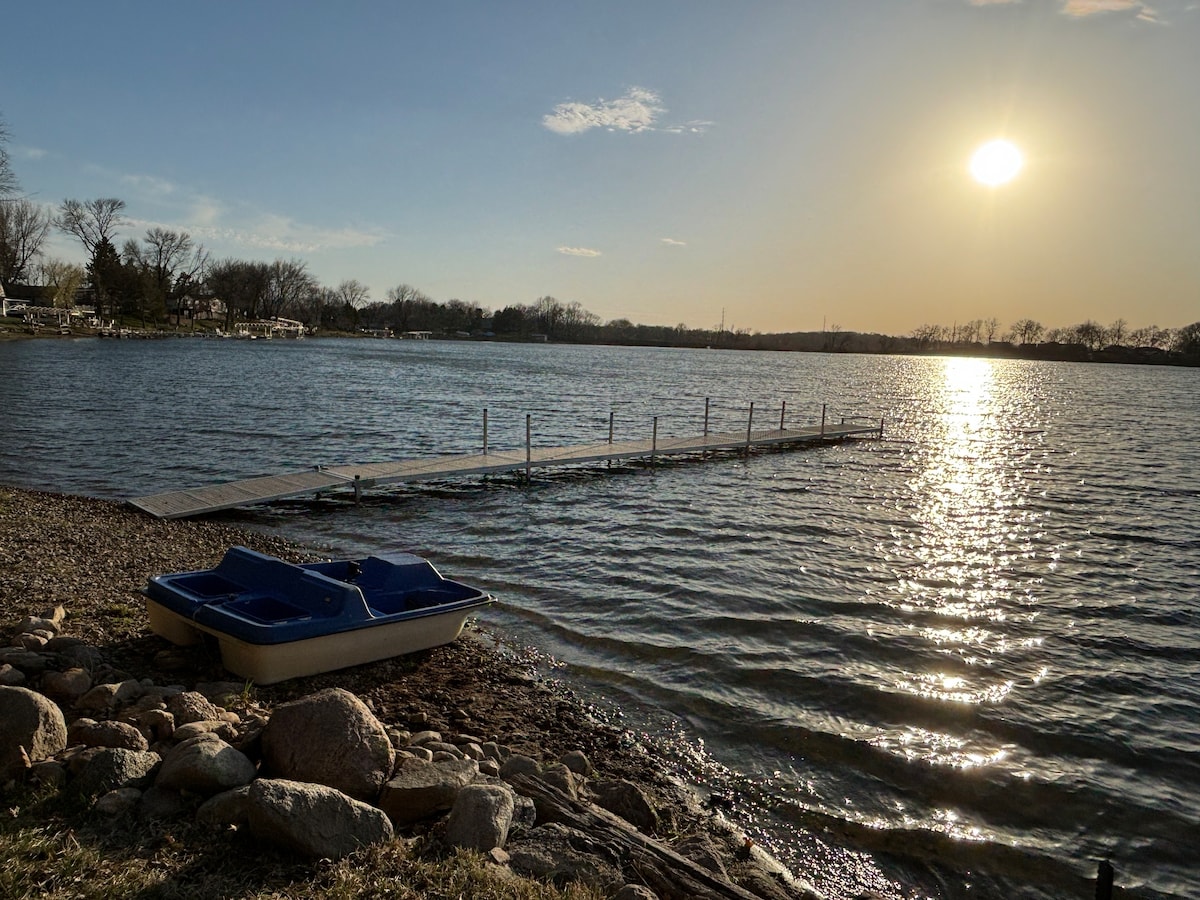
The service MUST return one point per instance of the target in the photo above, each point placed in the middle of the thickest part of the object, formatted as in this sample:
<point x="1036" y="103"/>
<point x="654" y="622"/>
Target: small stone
<point x="577" y="762"/>
<point x="559" y="776"/>
<point x="425" y="737"/>
<point x="10" y="676"/>
<point x="489" y="767"/>
<point x="635" y="892"/>
<point x="519" y="764"/>
<point x="115" y="803"/>
<point x="192" y="706"/>
<point x="37" y="623"/>
<point x="68" y="685"/>
<point x="31" y="641"/>
<point x="106" y="734"/>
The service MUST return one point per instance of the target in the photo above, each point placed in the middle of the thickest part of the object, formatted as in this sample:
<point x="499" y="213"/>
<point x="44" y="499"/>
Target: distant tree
<point x="64" y="279"/>
<point x="1187" y="340"/>
<point x="512" y="320"/>
<point x="1027" y="331"/>
<point x="991" y="327"/>
<point x="9" y="186"/>
<point x="1116" y="333"/>
<point x="290" y="289"/>
<point x="352" y="292"/>
<point x="168" y="264"/>
<point x="240" y="285"/>
<point x="91" y="221"/>
<point x="405" y="302"/>
<point x="110" y="282"/>
<point x="24" y="226"/>
<point x="1090" y="334"/>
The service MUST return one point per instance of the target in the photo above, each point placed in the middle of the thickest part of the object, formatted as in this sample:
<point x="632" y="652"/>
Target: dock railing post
<point x="1104" y="881"/>
<point x="654" y="442"/>
<point x="357" y="488"/>
<point x="611" y="413"/>
<point x="528" y="444"/>
<point x="823" y="420"/>
<point x="749" y="426"/>
<point x="704" y="455"/>
<point x="485" y="431"/>
<point x="881" y="428"/>
<point x="782" y="413"/>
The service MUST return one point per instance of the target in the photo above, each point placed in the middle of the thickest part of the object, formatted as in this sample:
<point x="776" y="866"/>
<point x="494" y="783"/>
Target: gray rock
<point x="472" y="750"/>
<point x="492" y="750"/>
<point x="37" y="623"/>
<point x="33" y="729"/>
<point x="635" y="892"/>
<point x="562" y="855"/>
<point x="104" y="697"/>
<point x="205" y="765"/>
<point x="225" y="810"/>
<point x="11" y="676"/>
<point x="163" y="803"/>
<point x="224" y="730"/>
<point x="519" y="764"/>
<point x="312" y="819"/>
<point x="562" y="778"/>
<point x="577" y="762"/>
<point x="489" y="767"/>
<point x="222" y="693"/>
<point x="437" y="747"/>
<point x="118" y="802"/>
<point x="106" y="734"/>
<point x="700" y="849"/>
<point x="68" y="685"/>
<point x="30" y="641"/>
<point x="107" y="768"/>
<point x="420" y="753"/>
<point x="481" y="817"/>
<point x="160" y="722"/>
<point x="75" y="652"/>
<point x="425" y="737"/>
<point x="420" y="789"/>
<point x="49" y="772"/>
<point x="627" y="800"/>
<point x="191" y="706"/>
<point x="329" y="738"/>
<point x="30" y="662"/>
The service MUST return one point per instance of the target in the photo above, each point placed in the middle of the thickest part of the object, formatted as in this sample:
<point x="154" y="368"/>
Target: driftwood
<point x="664" y="871"/>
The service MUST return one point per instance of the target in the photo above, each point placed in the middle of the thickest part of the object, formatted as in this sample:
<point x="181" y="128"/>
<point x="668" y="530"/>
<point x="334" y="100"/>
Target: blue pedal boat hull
<point x="275" y="620"/>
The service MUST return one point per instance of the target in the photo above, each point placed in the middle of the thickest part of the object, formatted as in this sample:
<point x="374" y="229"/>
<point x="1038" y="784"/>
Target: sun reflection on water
<point x="964" y="599"/>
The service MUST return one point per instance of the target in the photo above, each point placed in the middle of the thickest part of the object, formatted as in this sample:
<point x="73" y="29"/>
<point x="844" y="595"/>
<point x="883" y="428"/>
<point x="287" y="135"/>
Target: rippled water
<point x="961" y="661"/>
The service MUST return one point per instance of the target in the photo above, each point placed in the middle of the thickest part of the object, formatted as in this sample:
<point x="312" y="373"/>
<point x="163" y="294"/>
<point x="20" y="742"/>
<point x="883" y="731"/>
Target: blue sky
<point x="784" y="164"/>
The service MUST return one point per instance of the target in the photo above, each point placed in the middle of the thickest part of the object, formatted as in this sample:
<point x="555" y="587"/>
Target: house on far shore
<point x="11" y="306"/>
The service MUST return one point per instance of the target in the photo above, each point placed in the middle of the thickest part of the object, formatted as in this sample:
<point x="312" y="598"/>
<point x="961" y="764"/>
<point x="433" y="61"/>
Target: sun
<point x="996" y="162"/>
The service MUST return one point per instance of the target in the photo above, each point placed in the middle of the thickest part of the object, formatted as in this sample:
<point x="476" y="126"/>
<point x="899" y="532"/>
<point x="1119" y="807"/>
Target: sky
<point x="778" y="165"/>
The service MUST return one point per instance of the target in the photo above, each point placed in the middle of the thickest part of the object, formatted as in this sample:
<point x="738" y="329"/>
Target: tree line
<point x="166" y="274"/>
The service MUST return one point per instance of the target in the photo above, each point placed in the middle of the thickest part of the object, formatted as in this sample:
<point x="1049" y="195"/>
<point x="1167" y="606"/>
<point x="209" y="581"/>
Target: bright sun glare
<point x="996" y="163"/>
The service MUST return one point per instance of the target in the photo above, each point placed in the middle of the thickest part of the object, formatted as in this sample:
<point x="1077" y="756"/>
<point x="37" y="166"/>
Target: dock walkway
<point x="319" y="479"/>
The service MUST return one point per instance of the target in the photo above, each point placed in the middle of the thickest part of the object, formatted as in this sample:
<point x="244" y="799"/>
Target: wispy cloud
<point x="579" y="251"/>
<point x="23" y="152"/>
<point x="1080" y="9"/>
<point x="671" y="242"/>
<point x="636" y="111"/>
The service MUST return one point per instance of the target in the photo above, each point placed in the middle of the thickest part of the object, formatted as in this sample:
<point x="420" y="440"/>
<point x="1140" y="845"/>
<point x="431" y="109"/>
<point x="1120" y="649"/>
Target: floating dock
<point x="357" y="478"/>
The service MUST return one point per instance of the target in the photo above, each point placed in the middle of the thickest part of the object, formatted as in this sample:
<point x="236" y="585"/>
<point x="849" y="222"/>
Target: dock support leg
<point x="485" y="442"/>
<point x="881" y="428"/>
<point x="823" y="420"/>
<point x="705" y="454"/>
<point x="528" y="444"/>
<point x="357" y="488"/>
<point x="749" y="427"/>
<point x="782" y="413"/>
<point x="654" y="442"/>
<point x="1104" y="881"/>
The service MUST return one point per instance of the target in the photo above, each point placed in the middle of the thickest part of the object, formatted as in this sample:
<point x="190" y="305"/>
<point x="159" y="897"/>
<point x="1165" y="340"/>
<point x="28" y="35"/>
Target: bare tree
<point x="169" y="263"/>
<point x="24" y="226"/>
<point x="991" y="327"/>
<point x="92" y="221"/>
<point x="9" y="186"/>
<point x="289" y="287"/>
<point x="352" y="292"/>
<point x="1027" y="331"/>
<point x="240" y="285"/>
<point x="1117" y="332"/>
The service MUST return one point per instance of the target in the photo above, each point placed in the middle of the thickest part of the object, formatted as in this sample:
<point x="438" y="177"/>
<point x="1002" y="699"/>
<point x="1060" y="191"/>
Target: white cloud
<point x="23" y="152"/>
<point x="638" y="110"/>
<point x="149" y="185"/>
<point x="671" y="242"/>
<point x="578" y="251"/>
<point x="1082" y="8"/>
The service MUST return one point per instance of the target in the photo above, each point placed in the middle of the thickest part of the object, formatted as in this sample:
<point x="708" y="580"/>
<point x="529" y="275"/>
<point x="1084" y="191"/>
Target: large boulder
<point x="481" y="817"/>
<point x="32" y="728"/>
<point x="312" y="819"/>
<point x="106" y="734"/>
<point x="421" y="789"/>
<point x="329" y="738"/>
<point x="205" y="765"/>
<point x="109" y="768"/>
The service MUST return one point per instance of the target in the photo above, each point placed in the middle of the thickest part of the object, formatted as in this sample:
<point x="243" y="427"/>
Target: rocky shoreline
<point x="517" y="768"/>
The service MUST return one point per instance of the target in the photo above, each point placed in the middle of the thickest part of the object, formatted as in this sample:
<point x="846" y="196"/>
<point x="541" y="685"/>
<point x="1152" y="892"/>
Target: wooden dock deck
<point x="357" y="478"/>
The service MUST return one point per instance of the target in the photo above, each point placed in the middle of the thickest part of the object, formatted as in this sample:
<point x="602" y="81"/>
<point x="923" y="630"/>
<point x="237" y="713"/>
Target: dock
<point x="360" y="477"/>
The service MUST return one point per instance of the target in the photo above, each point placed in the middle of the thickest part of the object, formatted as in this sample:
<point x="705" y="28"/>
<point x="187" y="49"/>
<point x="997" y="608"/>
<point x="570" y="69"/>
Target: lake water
<point x="963" y="661"/>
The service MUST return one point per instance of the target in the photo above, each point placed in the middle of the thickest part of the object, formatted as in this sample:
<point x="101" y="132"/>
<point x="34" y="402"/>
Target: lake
<point x="963" y="661"/>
